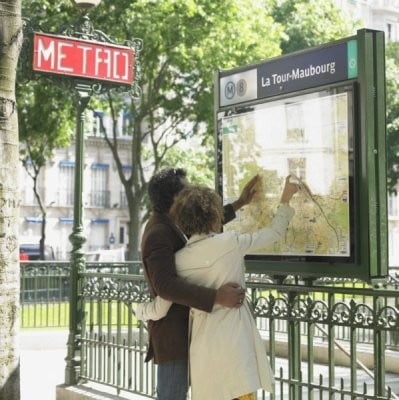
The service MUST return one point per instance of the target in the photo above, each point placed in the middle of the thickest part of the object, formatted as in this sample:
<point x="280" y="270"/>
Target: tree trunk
<point x="10" y="44"/>
<point x="43" y="214"/>
<point x="134" y="227"/>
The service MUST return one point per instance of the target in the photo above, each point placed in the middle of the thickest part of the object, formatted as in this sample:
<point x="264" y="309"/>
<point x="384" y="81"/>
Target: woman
<point x="227" y="356"/>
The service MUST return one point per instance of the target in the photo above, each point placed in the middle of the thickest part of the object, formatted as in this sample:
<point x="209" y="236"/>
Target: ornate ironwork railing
<point x="45" y="290"/>
<point x="318" y="361"/>
<point x="334" y="338"/>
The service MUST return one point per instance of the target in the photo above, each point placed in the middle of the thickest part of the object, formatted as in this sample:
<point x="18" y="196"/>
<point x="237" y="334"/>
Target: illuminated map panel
<point x="310" y="137"/>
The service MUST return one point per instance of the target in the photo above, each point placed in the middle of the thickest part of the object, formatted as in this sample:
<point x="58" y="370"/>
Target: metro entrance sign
<point x="84" y="61"/>
<point x="317" y="115"/>
<point x="82" y="58"/>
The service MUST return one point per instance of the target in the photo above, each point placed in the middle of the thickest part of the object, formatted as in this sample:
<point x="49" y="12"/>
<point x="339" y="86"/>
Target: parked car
<point x="31" y="251"/>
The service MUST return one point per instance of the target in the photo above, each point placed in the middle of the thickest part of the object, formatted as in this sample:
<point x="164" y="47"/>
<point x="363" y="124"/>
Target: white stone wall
<point x="59" y="203"/>
<point x="375" y="14"/>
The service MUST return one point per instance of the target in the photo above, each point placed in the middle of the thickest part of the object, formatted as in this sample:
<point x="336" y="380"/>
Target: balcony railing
<point x="123" y="200"/>
<point x="28" y="197"/>
<point x="100" y="199"/>
<point x="65" y="198"/>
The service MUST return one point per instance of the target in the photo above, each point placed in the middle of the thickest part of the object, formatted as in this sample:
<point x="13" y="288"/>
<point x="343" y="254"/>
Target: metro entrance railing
<point x="314" y="334"/>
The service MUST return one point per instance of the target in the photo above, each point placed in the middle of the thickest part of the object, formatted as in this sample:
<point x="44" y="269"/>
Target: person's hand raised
<point x="247" y="193"/>
<point x="289" y="190"/>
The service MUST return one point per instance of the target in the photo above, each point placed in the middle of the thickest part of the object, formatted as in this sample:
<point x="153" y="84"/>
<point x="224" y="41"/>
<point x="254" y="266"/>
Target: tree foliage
<point x="184" y="43"/>
<point x="309" y="23"/>
<point x="45" y="123"/>
<point x="392" y="101"/>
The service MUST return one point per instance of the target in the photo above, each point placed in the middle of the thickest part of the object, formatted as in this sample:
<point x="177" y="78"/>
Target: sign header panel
<point x="83" y="58"/>
<point x="322" y="66"/>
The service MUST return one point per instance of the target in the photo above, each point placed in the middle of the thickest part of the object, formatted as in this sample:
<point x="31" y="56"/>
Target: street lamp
<point x="83" y="91"/>
<point x="86" y="47"/>
<point x="84" y="6"/>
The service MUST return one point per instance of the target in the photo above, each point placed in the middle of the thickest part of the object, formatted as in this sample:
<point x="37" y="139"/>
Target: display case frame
<point x="359" y="63"/>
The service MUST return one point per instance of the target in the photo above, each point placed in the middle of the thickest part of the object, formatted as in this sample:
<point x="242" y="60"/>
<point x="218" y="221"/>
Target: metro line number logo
<point x="230" y="90"/>
<point x="241" y="87"/>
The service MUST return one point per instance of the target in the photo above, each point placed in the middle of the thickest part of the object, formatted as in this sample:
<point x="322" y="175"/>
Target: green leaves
<point x="392" y="103"/>
<point x="46" y="120"/>
<point x="309" y="23"/>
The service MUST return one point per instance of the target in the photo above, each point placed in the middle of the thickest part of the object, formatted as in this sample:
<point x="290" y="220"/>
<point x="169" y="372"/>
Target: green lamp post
<point x="76" y="312"/>
<point x="84" y="61"/>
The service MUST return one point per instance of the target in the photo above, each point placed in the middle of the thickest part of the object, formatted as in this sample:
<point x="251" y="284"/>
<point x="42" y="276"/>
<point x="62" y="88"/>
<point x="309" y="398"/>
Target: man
<point x="161" y="239"/>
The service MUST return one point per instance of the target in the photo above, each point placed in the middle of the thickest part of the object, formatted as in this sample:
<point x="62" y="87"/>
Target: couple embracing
<point x="199" y="320"/>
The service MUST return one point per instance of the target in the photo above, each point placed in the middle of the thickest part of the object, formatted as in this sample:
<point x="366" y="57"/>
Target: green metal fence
<point x="45" y="290"/>
<point x="114" y="343"/>
<point x="325" y="339"/>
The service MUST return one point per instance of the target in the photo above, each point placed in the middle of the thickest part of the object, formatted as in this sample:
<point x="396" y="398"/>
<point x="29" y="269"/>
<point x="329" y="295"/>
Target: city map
<point x="307" y="137"/>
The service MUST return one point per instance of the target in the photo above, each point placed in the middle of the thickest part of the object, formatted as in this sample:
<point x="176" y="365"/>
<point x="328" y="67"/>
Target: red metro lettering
<point x="87" y="59"/>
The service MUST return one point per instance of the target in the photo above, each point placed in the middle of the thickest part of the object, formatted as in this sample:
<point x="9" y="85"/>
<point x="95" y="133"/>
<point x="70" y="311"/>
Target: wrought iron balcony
<point x="123" y="200"/>
<point x="100" y="199"/>
<point x="65" y="198"/>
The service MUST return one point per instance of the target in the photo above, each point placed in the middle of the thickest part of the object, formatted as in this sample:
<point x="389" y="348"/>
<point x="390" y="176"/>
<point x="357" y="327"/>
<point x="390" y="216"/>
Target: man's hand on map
<point x="289" y="190"/>
<point x="247" y="193"/>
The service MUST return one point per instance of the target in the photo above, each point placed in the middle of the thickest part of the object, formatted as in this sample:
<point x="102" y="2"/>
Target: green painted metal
<point x="310" y="359"/>
<point x="326" y="308"/>
<point x="379" y="353"/>
<point x="353" y="357"/>
<point x="77" y="315"/>
<point x="380" y="103"/>
<point x="294" y="347"/>
<point x="331" y="347"/>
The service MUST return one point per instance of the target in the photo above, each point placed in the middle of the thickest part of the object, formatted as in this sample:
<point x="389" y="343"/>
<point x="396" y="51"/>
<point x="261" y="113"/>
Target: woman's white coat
<point x="227" y="355"/>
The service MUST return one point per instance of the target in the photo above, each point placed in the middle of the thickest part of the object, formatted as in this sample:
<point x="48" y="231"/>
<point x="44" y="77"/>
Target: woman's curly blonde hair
<point x="197" y="209"/>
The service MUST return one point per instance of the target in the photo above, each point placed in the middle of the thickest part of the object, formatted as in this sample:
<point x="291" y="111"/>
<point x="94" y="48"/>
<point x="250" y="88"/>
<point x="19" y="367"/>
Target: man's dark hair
<point x="164" y="186"/>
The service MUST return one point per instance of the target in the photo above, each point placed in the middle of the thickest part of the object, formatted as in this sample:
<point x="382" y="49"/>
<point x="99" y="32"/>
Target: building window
<point x="121" y="235"/>
<point x="389" y="31"/>
<point x="393" y="209"/>
<point x="295" y="122"/>
<point x="94" y="129"/>
<point x="297" y="167"/>
<point x="66" y="183"/>
<point x="98" y="234"/>
<point x="99" y="195"/>
<point x="28" y="196"/>
<point x="127" y="123"/>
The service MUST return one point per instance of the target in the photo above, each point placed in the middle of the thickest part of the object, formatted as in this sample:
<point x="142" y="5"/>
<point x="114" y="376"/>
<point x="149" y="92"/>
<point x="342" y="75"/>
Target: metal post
<point x="76" y="306"/>
<point x="379" y="351"/>
<point x="294" y="348"/>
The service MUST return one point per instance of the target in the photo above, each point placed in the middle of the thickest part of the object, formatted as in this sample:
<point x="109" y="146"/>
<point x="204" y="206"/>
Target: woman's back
<point x="227" y="355"/>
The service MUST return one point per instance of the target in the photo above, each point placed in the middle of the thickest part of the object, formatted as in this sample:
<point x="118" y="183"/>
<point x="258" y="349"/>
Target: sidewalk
<point x="43" y="364"/>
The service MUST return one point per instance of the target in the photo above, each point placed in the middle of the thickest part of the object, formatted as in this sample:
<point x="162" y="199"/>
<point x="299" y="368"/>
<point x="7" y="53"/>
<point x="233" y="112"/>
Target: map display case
<point x="317" y="116"/>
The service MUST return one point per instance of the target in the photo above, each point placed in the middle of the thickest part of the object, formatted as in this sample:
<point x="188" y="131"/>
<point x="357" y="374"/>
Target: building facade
<point x="106" y="214"/>
<point x="381" y="15"/>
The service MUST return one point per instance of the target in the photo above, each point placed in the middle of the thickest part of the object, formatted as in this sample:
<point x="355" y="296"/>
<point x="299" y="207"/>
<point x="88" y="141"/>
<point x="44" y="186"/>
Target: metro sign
<point x="83" y="58"/>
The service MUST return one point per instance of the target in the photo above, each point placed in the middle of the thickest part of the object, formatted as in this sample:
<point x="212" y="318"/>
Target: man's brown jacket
<point x="169" y="335"/>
